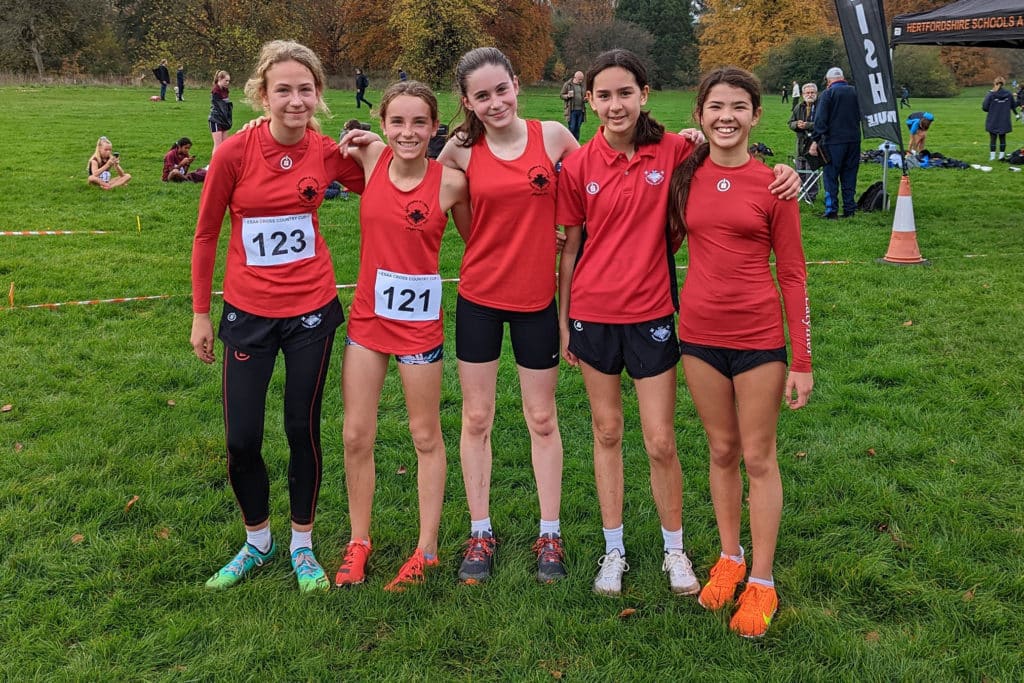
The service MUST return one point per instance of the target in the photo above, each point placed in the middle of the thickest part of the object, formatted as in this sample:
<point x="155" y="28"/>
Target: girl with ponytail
<point x="731" y="331"/>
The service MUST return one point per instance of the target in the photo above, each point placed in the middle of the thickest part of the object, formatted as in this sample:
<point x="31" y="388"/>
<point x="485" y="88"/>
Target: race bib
<point x="277" y="240"/>
<point x="407" y="297"/>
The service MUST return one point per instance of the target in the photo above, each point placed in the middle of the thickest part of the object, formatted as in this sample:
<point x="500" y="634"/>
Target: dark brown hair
<point x="472" y="129"/>
<point x="679" y="187"/>
<point x="648" y="131"/>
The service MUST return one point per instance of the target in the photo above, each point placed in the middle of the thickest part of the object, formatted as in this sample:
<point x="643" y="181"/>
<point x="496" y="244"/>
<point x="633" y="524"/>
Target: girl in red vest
<point x="397" y="312"/>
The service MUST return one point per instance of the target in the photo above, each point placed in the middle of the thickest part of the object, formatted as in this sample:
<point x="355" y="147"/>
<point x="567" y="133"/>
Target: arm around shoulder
<point x="558" y="141"/>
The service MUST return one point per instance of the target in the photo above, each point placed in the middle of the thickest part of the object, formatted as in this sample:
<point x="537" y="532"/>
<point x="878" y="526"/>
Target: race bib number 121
<point x="407" y="297"/>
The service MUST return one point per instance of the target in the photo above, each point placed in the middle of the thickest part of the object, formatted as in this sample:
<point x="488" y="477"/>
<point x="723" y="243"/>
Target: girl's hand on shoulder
<point x="255" y="123"/>
<point x="787" y="182"/>
<point x="357" y="138"/>
<point x="798" y="389"/>
<point x="694" y="135"/>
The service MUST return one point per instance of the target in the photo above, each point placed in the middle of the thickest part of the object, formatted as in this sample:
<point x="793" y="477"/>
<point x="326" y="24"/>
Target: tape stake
<point x="10" y="296"/>
<point x="138" y="222"/>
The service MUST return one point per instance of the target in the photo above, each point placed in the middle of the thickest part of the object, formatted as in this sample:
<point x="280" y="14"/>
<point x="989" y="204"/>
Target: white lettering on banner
<point x="415" y="298"/>
<point x="877" y="88"/>
<point x="277" y="240"/>
<point x="878" y="118"/>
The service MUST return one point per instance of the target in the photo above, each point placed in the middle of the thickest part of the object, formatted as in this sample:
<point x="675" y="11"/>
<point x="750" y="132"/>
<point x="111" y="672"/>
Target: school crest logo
<point x="724" y="185"/>
<point x="593" y="187"/>
<point x="661" y="333"/>
<point x="577" y="325"/>
<point x="416" y="215"/>
<point x="232" y="317"/>
<point x="309" y="190"/>
<point x="311" y="321"/>
<point x="286" y="162"/>
<point x="654" y="177"/>
<point x="540" y="180"/>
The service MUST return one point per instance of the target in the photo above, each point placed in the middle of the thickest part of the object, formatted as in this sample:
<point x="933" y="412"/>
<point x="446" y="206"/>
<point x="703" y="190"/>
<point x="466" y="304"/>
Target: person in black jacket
<point x="836" y="140"/>
<point x="801" y="122"/>
<point x="362" y="83"/>
<point x="220" y="109"/>
<point x="164" y="76"/>
<point x="998" y="104"/>
<point x="179" y="91"/>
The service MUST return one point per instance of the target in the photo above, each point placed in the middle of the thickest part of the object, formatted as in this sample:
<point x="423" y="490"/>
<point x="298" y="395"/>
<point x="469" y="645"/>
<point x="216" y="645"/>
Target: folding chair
<point x="809" y="178"/>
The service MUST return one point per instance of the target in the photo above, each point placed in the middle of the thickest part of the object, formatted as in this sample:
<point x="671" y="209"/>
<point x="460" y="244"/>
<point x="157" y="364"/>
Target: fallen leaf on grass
<point x="871" y="636"/>
<point x="800" y="454"/>
<point x="969" y="595"/>
<point x="401" y="470"/>
<point x="18" y="447"/>
<point x="627" y="613"/>
<point x="130" y="503"/>
<point x="164" y="533"/>
<point x="171" y="403"/>
<point x="77" y="538"/>
<point x="6" y="408"/>
<point x="871" y="452"/>
<point x="908" y="323"/>
<point x="557" y="675"/>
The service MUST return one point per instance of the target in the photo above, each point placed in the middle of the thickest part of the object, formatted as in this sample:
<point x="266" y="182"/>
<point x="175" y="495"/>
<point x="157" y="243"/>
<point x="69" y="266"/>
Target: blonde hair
<point x="103" y="140"/>
<point x="219" y="75"/>
<point x="275" y="52"/>
<point x="412" y="89"/>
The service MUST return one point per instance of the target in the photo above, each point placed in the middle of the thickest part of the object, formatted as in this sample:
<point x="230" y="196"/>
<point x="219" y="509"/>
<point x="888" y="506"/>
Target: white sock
<point x="767" y="583"/>
<point x="738" y="559"/>
<point x="301" y="539"/>
<point x="554" y="527"/>
<point x="259" y="539"/>
<point x="991" y="156"/>
<point x="613" y="540"/>
<point x="476" y="526"/>
<point x="1002" y="154"/>
<point x="673" y="539"/>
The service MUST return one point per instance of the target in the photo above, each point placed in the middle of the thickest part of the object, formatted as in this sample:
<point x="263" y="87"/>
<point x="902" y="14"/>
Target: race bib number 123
<point x="277" y="240"/>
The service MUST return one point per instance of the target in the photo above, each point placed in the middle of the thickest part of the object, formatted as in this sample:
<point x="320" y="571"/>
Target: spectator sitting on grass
<point x="101" y="165"/>
<point x="177" y="161"/>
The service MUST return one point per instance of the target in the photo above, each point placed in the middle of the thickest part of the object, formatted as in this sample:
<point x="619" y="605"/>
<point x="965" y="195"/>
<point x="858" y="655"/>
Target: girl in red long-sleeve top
<point x="731" y="331"/>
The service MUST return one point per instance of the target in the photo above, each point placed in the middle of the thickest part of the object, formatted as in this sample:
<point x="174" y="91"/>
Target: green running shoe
<point x="247" y="559"/>
<point x="309" y="572"/>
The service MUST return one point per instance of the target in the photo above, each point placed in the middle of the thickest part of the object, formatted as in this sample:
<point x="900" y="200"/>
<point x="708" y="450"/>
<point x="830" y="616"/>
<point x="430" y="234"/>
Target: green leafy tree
<point x="802" y="59"/>
<point x="433" y="34"/>
<point x="40" y="34"/>
<point x="923" y="71"/>
<point x="673" y="53"/>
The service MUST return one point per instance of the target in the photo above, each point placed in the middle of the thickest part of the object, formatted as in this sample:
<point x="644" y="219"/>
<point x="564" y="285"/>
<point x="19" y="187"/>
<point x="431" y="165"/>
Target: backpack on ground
<point x="873" y="198"/>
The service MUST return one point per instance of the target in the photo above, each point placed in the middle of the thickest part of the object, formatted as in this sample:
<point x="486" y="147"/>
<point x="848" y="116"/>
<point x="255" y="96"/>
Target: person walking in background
<point x="785" y="93"/>
<point x="220" y="109"/>
<point x="904" y="97"/>
<point x="575" y="103"/>
<point x="509" y="163"/>
<point x="998" y="105"/>
<point x="796" y="93"/>
<point x="362" y="83"/>
<point x="918" y="124"/>
<point x="279" y="296"/>
<point x="836" y="141"/>
<point x="103" y="164"/>
<point x="732" y="336"/>
<point x="616" y="301"/>
<point x="180" y="88"/>
<point x="402" y="76"/>
<point x="402" y="218"/>
<point x="163" y="76"/>
<point x="801" y="122"/>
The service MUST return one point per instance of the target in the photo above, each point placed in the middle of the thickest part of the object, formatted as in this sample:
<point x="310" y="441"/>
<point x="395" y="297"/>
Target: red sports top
<point x="623" y="270"/>
<point x="278" y="265"/>
<point x="729" y="298"/>
<point x="509" y="261"/>
<point x="393" y="312"/>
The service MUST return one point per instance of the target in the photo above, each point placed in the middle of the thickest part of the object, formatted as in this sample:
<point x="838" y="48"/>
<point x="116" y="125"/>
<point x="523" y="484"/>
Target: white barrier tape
<point x="38" y="233"/>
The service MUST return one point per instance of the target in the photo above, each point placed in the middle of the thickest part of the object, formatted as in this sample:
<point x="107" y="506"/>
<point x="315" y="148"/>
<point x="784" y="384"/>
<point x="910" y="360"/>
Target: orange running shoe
<point x="353" y="568"/>
<point x="411" y="572"/>
<point x="757" y="606"/>
<point x="721" y="587"/>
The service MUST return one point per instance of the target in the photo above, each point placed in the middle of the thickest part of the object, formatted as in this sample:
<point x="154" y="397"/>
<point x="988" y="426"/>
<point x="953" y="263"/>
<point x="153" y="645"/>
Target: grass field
<point x="900" y="554"/>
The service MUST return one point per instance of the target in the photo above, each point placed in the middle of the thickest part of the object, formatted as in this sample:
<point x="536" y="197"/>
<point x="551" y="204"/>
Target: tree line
<point x="782" y="40"/>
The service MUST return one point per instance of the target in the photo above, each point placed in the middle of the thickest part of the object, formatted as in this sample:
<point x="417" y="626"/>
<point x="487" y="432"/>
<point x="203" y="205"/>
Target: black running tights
<point x="245" y="383"/>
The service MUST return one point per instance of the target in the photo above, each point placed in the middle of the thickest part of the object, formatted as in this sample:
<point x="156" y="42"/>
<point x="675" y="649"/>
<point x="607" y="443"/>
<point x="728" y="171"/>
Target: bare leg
<point x="362" y="378"/>
<point x="422" y="384"/>
<point x="605" y="394"/>
<point x="538" y="389"/>
<point x="478" y="382"/>
<point x="657" y="401"/>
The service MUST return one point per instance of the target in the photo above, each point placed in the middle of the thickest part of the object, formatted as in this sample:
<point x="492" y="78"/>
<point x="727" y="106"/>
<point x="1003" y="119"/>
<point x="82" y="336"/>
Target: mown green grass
<point x="900" y="554"/>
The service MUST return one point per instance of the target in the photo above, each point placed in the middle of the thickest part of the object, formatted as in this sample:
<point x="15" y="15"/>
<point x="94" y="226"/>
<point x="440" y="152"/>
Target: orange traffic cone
<point x="903" y="243"/>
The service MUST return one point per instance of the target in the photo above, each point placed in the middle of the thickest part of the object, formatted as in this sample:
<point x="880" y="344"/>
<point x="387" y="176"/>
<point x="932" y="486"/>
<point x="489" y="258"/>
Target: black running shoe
<point x="550" y="558"/>
<point x="478" y="558"/>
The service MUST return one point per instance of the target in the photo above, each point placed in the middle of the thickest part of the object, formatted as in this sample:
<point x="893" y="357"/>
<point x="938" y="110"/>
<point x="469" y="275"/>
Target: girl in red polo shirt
<point x="397" y="311"/>
<point x="507" y="277"/>
<point x="731" y="328"/>
<point x="617" y="300"/>
<point x="279" y="295"/>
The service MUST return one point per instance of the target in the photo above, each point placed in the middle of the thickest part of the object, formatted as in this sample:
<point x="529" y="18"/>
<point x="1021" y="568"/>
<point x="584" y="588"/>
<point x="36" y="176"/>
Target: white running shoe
<point x="680" y="573"/>
<point x="611" y="567"/>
